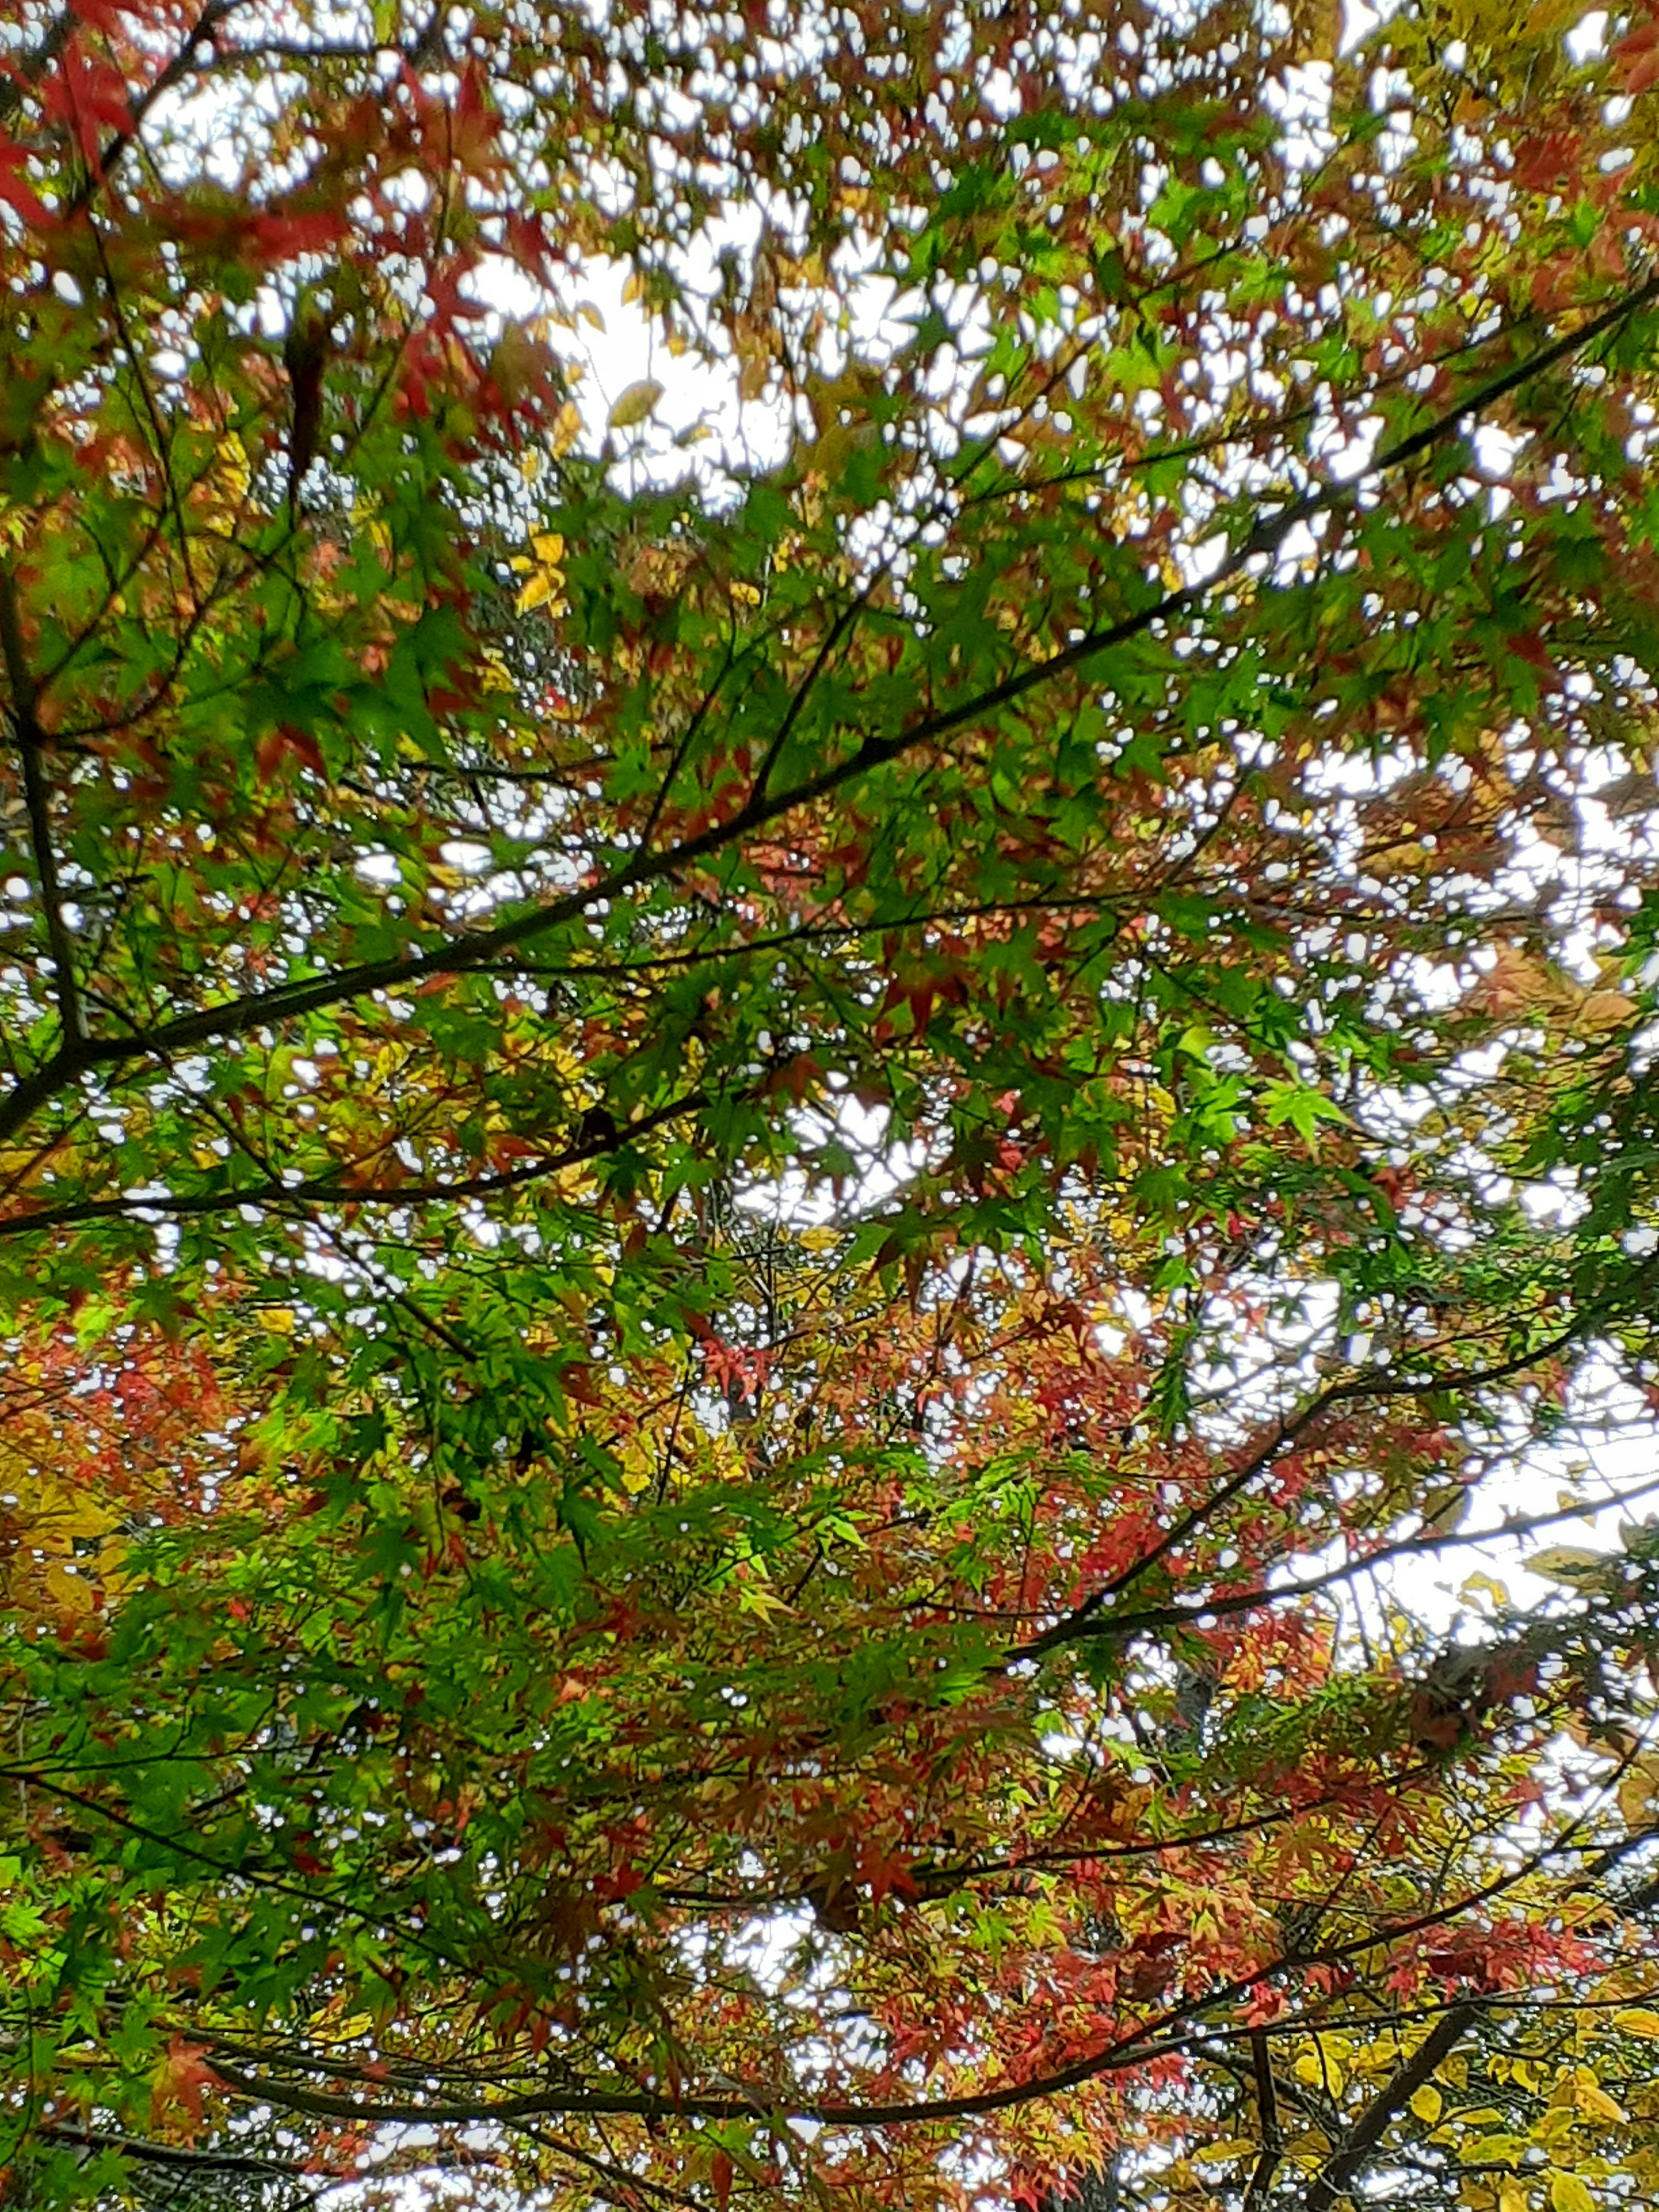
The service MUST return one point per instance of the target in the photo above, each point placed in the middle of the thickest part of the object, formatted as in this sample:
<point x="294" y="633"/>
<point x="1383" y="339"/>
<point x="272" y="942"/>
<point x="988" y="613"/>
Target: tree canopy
<point x="784" y="1145"/>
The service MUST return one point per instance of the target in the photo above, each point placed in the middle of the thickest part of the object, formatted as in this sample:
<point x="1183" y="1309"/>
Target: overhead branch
<point x="335" y="1190"/>
<point x="30" y="740"/>
<point x="1090" y="1617"/>
<point x="471" y="950"/>
<point x="1267" y="2164"/>
<point x="1346" y="2166"/>
<point x="181" y="2156"/>
<point x="1170" y="2031"/>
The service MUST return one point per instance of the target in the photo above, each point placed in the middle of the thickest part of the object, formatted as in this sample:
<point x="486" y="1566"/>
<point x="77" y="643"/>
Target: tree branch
<point x="474" y="949"/>
<point x="30" y="740"/>
<point x="1390" y="2100"/>
<point x="332" y="1191"/>
<point x="1140" y="2045"/>
<point x="178" y="2154"/>
<point x="1267" y="2163"/>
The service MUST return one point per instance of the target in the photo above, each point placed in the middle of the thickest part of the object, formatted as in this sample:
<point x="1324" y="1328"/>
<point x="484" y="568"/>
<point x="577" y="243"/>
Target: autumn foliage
<point x="831" y="920"/>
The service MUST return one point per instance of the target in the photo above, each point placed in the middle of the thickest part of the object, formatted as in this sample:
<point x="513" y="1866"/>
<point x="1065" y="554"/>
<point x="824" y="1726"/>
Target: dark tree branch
<point x="1091" y="1618"/>
<point x="179" y="2155"/>
<point x="1236" y="1601"/>
<point x="1347" y="2165"/>
<point x="332" y="1191"/>
<point x="475" y="948"/>
<point x="1267" y="2164"/>
<point x="215" y="13"/>
<point x="1170" y="2031"/>
<point x="31" y="741"/>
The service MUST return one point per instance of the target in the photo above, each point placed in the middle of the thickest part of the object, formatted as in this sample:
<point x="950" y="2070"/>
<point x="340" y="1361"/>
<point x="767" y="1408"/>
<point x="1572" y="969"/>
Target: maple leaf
<point x="758" y="1205"/>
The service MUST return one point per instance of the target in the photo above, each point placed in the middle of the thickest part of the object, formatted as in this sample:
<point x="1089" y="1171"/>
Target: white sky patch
<point x="1588" y="38"/>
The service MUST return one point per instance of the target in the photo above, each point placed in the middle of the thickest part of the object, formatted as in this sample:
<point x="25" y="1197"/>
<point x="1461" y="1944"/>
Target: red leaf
<point x="1636" y="56"/>
<point x="720" y="2177"/>
<point x="184" y="2074"/>
<point x="268" y="752"/>
<point x="577" y="1380"/>
<point x="274" y="746"/>
<point x="797" y="1076"/>
<point x="87" y="94"/>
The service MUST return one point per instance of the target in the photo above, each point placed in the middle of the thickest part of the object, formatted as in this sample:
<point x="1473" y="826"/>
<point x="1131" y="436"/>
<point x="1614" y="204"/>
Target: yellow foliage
<point x="1320" y="2069"/>
<point x="1638" y="1788"/>
<point x="1223" y="2154"/>
<point x="1594" y="2101"/>
<point x="540" y="587"/>
<point x="1569" y="2194"/>
<point x="635" y="404"/>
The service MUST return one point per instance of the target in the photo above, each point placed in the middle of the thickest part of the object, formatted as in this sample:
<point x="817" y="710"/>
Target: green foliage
<point x="758" y="1190"/>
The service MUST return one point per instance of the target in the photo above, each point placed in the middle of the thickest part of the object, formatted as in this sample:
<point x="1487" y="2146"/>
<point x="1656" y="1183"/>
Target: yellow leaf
<point x="538" y="588"/>
<point x="630" y="290"/>
<point x="1569" y="2194"/>
<point x="1638" y="1786"/>
<point x="1567" y="1563"/>
<point x="763" y="1603"/>
<point x="1547" y="17"/>
<point x="1512" y="2197"/>
<point x="548" y="547"/>
<point x="64" y="1515"/>
<point x="1493" y="2150"/>
<point x="1319" y="2072"/>
<point x="1446" y="1508"/>
<point x="279" y="1320"/>
<point x="72" y="1592"/>
<point x="107" y="1566"/>
<point x="590" y="314"/>
<point x="1483" y="1585"/>
<point x="1592" y="2099"/>
<point x="1637" y="2020"/>
<point x="1427" y="2103"/>
<point x="634" y="405"/>
<point x="1560" y="2120"/>
<point x="234" y="461"/>
<point x="1222" y="2154"/>
<point x="566" y="428"/>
